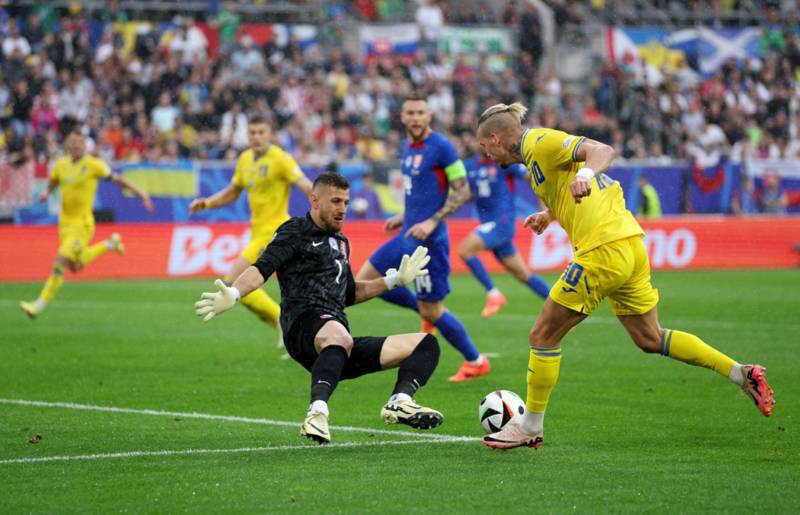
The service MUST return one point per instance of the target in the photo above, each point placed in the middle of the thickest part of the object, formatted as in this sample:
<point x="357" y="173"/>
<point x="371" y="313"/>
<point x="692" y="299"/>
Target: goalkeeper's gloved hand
<point x="411" y="267"/>
<point x="212" y="304"/>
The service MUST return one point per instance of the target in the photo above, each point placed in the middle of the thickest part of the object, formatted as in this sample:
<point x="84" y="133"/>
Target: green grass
<point x="626" y="432"/>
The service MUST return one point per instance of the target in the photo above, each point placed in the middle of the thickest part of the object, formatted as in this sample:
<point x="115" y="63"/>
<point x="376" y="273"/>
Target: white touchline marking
<point x="492" y="354"/>
<point x="206" y="416"/>
<point x="184" y="452"/>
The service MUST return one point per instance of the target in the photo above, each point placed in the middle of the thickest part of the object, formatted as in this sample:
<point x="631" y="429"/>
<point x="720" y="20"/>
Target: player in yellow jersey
<point x="76" y="174"/>
<point x="267" y="172"/>
<point x="567" y="174"/>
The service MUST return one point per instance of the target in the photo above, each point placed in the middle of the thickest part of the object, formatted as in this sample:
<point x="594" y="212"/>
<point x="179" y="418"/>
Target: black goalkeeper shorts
<point x="299" y="340"/>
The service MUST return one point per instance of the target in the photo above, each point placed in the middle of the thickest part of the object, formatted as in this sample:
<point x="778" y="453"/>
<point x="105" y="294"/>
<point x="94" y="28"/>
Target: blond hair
<point x="500" y="117"/>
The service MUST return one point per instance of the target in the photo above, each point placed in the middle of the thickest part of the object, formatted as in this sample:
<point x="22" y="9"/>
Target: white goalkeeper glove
<point x="411" y="267"/>
<point x="212" y="304"/>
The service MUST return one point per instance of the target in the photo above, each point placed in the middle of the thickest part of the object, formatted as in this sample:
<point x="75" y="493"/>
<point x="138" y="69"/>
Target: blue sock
<point x="538" y="285"/>
<point x="456" y="334"/>
<point x="402" y="296"/>
<point x="479" y="271"/>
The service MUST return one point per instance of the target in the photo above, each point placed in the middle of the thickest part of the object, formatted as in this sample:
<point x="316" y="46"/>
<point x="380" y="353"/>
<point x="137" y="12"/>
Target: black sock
<point x="326" y="372"/>
<point x="415" y="371"/>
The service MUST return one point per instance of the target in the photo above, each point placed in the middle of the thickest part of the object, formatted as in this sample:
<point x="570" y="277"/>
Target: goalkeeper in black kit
<point x="311" y="258"/>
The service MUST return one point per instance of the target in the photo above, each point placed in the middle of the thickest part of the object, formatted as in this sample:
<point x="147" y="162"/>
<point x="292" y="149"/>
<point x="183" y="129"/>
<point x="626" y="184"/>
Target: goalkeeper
<point x="311" y="258"/>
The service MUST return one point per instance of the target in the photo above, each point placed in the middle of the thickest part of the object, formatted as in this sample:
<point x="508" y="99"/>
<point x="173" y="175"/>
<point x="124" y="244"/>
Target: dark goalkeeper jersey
<point x="313" y="270"/>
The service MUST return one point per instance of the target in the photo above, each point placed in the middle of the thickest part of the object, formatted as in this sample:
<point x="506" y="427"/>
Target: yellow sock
<point x="93" y="252"/>
<point x="262" y="305"/>
<point x="53" y="284"/>
<point x="692" y="350"/>
<point x="543" y="367"/>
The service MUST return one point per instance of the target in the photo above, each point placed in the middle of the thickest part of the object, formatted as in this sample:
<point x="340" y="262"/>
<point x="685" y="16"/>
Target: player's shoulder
<point x="440" y="140"/>
<point x="295" y="226"/>
<point x="94" y="161"/>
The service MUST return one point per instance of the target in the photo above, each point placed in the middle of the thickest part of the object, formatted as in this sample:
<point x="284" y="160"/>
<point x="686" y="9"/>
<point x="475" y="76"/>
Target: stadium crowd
<point x="167" y="100"/>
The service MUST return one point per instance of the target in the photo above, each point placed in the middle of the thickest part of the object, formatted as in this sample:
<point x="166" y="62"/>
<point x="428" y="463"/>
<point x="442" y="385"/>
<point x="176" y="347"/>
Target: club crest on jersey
<point x="417" y="161"/>
<point x="333" y="243"/>
<point x="262" y="170"/>
<point x="342" y="247"/>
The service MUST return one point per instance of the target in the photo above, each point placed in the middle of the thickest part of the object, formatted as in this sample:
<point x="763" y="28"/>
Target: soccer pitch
<point x="119" y="399"/>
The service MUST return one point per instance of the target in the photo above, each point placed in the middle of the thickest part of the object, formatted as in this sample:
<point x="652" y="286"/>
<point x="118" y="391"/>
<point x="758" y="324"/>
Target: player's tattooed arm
<point x="458" y="196"/>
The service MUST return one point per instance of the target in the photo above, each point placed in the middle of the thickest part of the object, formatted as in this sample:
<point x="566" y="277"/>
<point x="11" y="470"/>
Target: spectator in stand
<point x="228" y="21"/>
<point x="773" y="199"/>
<point x="430" y="18"/>
<point x="233" y="131"/>
<point x="165" y="113"/>
<point x="247" y="61"/>
<point x="21" y="107"/>
<point x="743" y="200"/>
<point x="365" y="202"/>
<point x="75" y="95"/>
<point x="649" y="201"/>
<point x="44" y="116"/>
<point x="189" y="42"/>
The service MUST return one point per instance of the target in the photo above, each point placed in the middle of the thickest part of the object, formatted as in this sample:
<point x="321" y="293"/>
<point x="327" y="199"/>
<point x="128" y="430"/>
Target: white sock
<point x="320" y="406"/>
<point x="735" y="375"/>
<point x="477" y="361"/>
<point x="399" y="397"/>
<point x="494" y="291"/>
<point x="532" y="423"/>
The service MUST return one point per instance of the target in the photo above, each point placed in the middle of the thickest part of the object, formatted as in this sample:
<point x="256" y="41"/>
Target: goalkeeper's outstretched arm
<point x="410" y="268"/>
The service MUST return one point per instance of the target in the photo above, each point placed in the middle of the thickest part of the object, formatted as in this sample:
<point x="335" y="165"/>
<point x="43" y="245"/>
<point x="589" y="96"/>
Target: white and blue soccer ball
<point x="498" y="409"/>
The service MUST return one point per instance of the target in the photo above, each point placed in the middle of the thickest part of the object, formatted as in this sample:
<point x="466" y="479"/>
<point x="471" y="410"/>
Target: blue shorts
<point x="498" y="237"/>
<point x="430" y="288"/>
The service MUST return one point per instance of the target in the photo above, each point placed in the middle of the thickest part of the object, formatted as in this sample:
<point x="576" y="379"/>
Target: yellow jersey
<point x="267" y="180"/>
<point x="551" y="158"/>
<point x="78" y="183"/>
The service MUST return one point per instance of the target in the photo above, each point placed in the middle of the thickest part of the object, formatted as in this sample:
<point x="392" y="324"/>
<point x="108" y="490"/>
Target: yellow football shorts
<point x="73" y="239"/>
<point x="619" y="270"/>
<point x="258" y="241"/>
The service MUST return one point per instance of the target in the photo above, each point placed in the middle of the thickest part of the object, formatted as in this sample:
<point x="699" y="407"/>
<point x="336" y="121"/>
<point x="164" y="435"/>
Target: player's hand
<point x="393" y="223"/>
<point x="410" y="268"/>
<point x="198" y="204"/>
<point x="212" y="304"/>
<point x="581" y="187"/>
<point x="538" y="222"/>
<point x="42" y="197"/>
<point x="148" y="204"/>
<point x="422" y="230"/>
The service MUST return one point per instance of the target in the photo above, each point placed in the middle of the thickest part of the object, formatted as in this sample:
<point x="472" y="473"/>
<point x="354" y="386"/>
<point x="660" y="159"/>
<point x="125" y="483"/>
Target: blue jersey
<point x="493" y="188"/>
<point x="427" y="167"/>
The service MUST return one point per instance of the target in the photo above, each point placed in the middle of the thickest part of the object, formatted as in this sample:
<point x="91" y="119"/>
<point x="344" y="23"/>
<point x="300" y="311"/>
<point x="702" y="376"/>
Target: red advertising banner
<point x="185" y="250"/>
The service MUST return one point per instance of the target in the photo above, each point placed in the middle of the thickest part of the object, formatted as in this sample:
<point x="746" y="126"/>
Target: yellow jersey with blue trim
<point x="551" y="157"/>
<point x="77" y="179"/>
<point x="268" y="179"/>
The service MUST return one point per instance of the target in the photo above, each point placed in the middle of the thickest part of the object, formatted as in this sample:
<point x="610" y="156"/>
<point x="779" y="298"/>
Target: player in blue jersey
<point x="435" y="184"/>
<point x="493" y="190"/>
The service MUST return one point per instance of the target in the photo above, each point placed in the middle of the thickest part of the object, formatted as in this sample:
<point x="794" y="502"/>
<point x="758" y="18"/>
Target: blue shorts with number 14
<point x="430" y="288"/>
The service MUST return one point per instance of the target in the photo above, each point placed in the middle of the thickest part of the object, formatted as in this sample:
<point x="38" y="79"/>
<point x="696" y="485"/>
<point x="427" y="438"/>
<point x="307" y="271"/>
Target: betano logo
<point x="675" y="248"/>
<point x="196" y="249"/>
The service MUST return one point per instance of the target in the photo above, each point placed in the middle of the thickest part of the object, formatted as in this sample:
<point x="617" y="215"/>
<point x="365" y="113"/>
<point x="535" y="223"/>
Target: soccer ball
<point x="498" y="409"/>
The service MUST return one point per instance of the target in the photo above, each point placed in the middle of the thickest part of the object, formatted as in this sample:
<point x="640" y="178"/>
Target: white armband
<point x="586" y="173"/>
